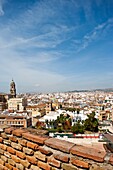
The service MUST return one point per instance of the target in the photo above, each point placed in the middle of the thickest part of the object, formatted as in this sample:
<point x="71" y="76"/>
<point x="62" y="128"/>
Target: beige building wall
<point x="48" y="107"/>
<point x="104" y="115"/>
<point x="34" y="110"/>
<point x="17" y="104"/>
<point x="22" y="122"/>
<point x="112" y="115"/>
<point x="37" y="110"/>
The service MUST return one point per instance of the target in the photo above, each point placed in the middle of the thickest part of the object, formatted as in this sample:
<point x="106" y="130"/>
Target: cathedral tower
<point x="13" y="89"/>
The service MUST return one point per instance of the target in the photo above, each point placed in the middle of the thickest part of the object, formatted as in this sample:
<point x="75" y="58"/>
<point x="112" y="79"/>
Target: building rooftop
<point x="109" y="137"/>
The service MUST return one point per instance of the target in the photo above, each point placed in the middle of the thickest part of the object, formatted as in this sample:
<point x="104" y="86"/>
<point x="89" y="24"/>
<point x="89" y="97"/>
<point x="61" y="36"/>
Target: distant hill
<point x="94" y="90"/>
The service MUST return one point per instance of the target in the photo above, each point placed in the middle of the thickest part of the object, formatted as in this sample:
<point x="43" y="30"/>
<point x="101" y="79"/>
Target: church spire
<point x="13" y="89"/>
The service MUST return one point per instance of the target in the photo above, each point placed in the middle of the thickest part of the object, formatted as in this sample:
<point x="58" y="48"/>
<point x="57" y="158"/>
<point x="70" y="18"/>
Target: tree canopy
<point x="64" y="123"/>
<point x="91" y="123"/>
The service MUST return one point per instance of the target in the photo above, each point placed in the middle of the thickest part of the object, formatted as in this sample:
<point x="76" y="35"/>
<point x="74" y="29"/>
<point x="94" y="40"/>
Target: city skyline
<point x="56" y="45"/>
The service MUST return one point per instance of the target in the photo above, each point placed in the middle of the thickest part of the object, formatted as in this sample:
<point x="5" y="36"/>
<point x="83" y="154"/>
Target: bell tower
<point x="13" y="89"/>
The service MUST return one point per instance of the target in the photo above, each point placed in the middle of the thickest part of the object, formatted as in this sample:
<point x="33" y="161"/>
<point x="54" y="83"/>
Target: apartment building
<point x="17" y="104"/>
<point x="16" y="121"/>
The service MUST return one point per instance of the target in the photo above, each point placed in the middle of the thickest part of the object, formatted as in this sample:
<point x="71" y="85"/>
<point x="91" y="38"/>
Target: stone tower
<point x="13" y="89"/>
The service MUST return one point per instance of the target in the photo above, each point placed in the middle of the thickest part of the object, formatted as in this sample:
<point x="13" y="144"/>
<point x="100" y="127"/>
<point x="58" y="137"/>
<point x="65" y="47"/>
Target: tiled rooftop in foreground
<point x="23" y="149"/>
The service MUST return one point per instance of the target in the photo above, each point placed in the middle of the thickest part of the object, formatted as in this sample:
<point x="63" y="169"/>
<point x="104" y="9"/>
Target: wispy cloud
<point x="26" y="76"/>
<point x="45" y="40"/>
<point x="1" y="7"/>
<point x="47" y="57"/>
<point x="97" y="33"/>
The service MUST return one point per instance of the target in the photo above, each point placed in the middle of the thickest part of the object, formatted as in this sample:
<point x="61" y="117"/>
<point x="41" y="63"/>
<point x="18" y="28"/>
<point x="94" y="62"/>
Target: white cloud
<point x="47" y="57"/>
<point x="21" y="56"/>
<point x="23" y="71"/>
<point x="51" y="39"/>
<point x="96" y="34"/>
<point x="37" y="85"/>
<point x="1" y="7"/>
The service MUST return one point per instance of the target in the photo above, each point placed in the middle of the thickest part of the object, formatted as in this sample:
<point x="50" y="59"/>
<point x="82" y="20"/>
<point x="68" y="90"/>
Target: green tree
<point x="60" y="128"/>
<point x="64" y="121"/>
<point x="78" y="128"/>
<point x="91" y="123"/>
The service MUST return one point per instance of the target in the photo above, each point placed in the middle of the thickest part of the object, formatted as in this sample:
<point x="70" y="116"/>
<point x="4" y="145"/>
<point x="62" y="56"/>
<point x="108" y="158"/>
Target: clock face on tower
<point x="13" y="89"/>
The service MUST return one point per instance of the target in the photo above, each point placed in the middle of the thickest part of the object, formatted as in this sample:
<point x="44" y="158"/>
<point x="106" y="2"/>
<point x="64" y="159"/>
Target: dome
<point x="12" y="83"/>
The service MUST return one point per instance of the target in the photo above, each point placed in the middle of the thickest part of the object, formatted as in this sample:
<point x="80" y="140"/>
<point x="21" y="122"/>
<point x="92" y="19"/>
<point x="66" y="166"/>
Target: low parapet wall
<point x="23" y="149"/>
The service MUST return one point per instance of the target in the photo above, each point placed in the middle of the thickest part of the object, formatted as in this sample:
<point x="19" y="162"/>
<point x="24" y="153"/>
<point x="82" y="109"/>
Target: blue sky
<point x="56" y="45"/>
